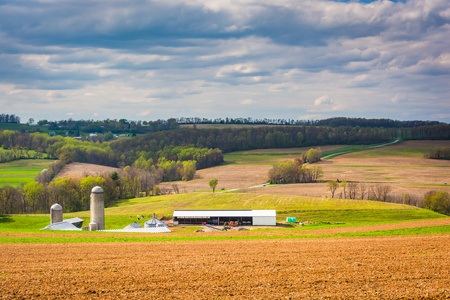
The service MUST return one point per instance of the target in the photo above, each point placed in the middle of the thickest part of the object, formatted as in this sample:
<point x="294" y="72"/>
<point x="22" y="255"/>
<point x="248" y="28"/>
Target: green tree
<point x="213" y="183"/>
<point x="189" y="168"/>
<point x="438" y="202"/>
<point x="332" y="187"/>
<point x="33" y="191"/>
<point x="313" y="155"/>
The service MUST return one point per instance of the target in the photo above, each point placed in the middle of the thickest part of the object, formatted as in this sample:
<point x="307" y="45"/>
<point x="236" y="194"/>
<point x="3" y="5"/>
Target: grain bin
<point x="56" y="213"/>
<point x="98" y="207"/>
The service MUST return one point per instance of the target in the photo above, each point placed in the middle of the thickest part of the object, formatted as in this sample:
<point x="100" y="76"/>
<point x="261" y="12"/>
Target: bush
<point x="294" y="172"/>
<point x="438" y="202"/>
<point x="442" y="153"/>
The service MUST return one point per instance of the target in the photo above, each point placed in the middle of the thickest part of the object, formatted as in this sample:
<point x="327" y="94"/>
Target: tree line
<point x="256" y="138"/>
<point x="331" y="122"/>
<point x="438" y="201"/>
<point x="70" y="150"/>
<point x="74" y="194"/>
<point x="76" y="127"/>
<point x="9" y="118"/>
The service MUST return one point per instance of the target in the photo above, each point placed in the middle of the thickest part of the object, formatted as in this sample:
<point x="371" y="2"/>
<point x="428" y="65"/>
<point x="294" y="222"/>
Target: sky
<point x="284" y="59"/>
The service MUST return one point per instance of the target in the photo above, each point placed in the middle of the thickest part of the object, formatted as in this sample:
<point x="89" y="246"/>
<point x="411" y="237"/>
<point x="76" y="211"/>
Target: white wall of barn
<point x="264" y="221"/>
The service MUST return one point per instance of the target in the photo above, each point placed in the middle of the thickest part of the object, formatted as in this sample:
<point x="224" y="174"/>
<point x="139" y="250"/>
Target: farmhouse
<point x="219" y="217"/>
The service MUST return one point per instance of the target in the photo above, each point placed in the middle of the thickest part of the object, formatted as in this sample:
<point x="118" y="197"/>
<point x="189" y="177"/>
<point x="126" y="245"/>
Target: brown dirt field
<point x="392" y="169"/>
<point x="321" y="189"/>
<point x="81" y="170"/>
<point x="403" y="267"/>
<point x="400" y="172"/>
<point x="229" y="176"/>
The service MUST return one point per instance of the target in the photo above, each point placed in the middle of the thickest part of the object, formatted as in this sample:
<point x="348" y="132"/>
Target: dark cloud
<point x="297" y="51"/>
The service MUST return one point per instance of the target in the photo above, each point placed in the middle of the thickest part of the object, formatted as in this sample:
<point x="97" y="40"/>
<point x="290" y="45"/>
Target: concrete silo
<point x="98" y="208"/>
<point x="56" y="213"/>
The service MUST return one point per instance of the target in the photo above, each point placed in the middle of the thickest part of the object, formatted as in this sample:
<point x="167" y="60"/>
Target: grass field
<point x="22" y="171"/>
<point x="271" y="156"/>
<point x="317" y="213"/>
<point x="408" y="149"/>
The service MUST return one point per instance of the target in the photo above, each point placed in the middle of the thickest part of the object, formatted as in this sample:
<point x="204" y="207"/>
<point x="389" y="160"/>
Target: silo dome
<point x="97" y="190"/>
<point x="56" y="213"/>
<point x="56" y="206"/>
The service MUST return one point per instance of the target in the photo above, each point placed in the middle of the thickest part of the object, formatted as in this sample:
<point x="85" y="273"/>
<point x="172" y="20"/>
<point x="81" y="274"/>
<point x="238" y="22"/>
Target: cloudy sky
<point x="291" y="59"/>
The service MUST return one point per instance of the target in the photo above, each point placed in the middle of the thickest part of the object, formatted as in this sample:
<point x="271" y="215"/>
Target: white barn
<point x="219" y="217"/>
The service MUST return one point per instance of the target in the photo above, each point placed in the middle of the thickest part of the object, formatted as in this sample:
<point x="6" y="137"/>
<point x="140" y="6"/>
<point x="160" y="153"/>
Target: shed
<point x="67" y="224"/>
<point x="62" y="226"/>
<point x="219" y="217"/>
<point x="133" y="226"/>
<point x="154" y="223"/>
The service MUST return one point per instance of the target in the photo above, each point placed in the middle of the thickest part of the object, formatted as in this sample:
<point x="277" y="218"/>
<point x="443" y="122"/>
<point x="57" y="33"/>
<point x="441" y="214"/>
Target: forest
<point x="332" y="122"/>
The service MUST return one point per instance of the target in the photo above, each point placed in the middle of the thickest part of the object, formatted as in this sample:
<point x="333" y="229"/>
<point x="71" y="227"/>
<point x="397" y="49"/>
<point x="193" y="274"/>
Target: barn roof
<point x="143" y="230"/>
<point x="62" y="226"/>
<point x="225" y="213"/>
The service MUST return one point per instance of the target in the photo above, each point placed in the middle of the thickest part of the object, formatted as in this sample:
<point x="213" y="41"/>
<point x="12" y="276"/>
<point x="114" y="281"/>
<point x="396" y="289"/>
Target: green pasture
<point x="13" y="126"/>
<point x="98" y="238"/>
<point x="22" y="171"/>
<point x="265" y="158"/>
<point x="243" y="157"/>
<point x="345" y="150"/>
<point x="418" y="149"/>
<point x="34" y="223"/>
<point x="349" y="218"/>
<point x="32" y="154"/>
<point x="315" y="212"/>
<point x="165" y="205"/>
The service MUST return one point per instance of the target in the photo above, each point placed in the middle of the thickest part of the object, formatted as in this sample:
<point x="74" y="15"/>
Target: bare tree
<point x="175" y="188"/>
<point x="352" y="189"/>
<point x="344" y="185"/>
<point x="381" y="191"/>
<point x="362" y="190"/>
<point x="165" y="191"/>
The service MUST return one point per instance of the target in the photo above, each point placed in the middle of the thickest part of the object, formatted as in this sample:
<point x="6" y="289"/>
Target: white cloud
<point x="248" y="102"/>
<point x="324" y="100"/>
<point x="399" y="99"/>
<point x="237" y="70"/>
<point x="143" y="113"/>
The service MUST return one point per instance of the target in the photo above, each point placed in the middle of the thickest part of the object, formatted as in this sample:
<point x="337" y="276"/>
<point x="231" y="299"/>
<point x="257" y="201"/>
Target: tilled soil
<point x="81" y="170"/>
<point x="229" y="177"/>
<point x="402" y="267"/>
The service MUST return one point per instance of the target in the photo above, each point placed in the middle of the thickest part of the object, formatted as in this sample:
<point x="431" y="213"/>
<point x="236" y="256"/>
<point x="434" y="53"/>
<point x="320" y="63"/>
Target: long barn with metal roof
<point x="219" y="217"/>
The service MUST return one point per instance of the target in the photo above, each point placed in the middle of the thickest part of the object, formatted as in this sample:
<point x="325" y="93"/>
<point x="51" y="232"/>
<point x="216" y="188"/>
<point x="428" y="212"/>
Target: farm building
<point x="67" y="224"/>
<point x="219" y="217"/>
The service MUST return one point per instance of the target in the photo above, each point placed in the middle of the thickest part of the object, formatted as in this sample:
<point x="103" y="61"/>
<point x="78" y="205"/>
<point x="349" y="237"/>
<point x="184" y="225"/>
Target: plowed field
<point x="402" y="267"/>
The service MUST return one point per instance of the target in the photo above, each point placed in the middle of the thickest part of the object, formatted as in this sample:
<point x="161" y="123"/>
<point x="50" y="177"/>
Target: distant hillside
<point x="81" y="170"/>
